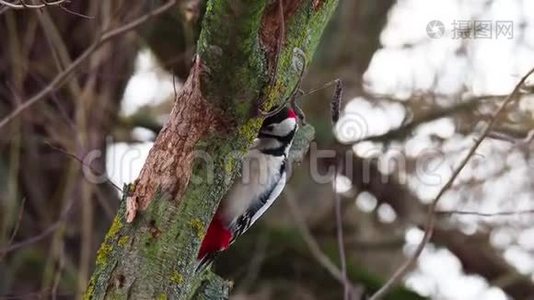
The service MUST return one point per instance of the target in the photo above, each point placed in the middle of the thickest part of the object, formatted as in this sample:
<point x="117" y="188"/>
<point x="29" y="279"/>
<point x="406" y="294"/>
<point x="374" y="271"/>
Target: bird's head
<point x="277" y="132"/>
<point x="283" y="124"/>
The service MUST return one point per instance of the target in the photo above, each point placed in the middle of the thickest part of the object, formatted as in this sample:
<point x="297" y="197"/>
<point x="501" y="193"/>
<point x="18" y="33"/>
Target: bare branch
<point x="430" y="221"/>
<point x="83" y="163"/>
<point x="48" y="231"/>
<point x="339" y="233"/>
<point x="483" y="214"/>
<point x="75" y="13"/>
<point x="58" y="81"/>
<point x="314" y="247"/>
<point x="56" y="225"/>
<point x="405" y="129"/>
<point x="23" y="5"/>
<point x="508" y="138"/>
<point x="16" y="228"/>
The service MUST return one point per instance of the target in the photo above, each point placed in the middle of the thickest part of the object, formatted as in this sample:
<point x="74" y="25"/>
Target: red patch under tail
<point x="217" y="238"/>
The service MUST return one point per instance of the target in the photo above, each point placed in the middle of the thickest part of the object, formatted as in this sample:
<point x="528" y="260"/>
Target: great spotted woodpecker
<point x="263" y="178"/>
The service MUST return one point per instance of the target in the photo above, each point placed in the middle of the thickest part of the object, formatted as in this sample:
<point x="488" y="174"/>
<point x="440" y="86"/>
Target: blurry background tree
<point x="412" y="96"/>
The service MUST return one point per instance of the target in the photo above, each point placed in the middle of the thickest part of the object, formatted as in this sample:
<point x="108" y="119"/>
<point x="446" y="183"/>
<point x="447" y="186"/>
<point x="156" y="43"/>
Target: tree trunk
<point x="215" y="118"/>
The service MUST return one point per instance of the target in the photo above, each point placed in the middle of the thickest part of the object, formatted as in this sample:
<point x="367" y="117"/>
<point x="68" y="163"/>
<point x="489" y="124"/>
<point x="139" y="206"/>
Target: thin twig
<point x="59" y="270"/>
<point x="48" y="231"/>
<point x="174" y="86"/>
<point x="23" y="5"/>
<point x="406" y="128"/>
<point x="58" y="80"/>
<point x="75" y="13"/>
<point x="296" y="52"/>
<point x="314" y="247"/>
<point x="340" y="242"/>
<point x="254" y="267"/>
<point x="430" y="221"/>
<point x="36" y="295"/>
<point x="73" y="156"/>
<point x="508" y="138"/>
<point x="324" y="86"/>
<point x="19" y="219"/>
<point x="482" y="214"/>
<point x="16" y="228"/>
<point x="45" y="233"/>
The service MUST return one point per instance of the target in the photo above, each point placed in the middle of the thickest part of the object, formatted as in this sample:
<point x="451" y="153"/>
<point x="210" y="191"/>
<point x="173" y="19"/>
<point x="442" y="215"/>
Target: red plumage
<point x="291" y="114"/>
<point x="217" y="238"/>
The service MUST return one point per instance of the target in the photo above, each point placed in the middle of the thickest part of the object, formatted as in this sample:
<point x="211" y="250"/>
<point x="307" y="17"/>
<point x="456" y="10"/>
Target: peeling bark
<point x="168" y="167"/>
<point x="271" y="25"/>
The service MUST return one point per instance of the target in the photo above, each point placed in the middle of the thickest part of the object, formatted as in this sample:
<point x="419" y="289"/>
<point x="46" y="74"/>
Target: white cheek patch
<point x="285" y="127"/>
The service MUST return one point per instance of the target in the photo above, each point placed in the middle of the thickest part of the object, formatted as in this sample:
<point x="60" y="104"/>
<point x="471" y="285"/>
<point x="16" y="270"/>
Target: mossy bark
<point x="214" y="116"/>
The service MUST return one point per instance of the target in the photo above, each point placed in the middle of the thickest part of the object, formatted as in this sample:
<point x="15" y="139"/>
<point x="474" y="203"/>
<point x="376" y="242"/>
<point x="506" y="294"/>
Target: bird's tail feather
<point x="205" y="262"/>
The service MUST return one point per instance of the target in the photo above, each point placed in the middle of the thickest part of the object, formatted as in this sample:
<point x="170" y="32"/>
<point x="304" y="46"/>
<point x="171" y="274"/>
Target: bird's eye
<point x="270" y="127"/>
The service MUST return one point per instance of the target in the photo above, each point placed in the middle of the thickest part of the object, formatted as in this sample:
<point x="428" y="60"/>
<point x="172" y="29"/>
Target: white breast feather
<point x="252" y="185"/>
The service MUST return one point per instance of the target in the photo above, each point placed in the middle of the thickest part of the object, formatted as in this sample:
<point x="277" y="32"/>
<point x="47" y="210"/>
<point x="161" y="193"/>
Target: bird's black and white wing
<point x="258" y="208"/>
